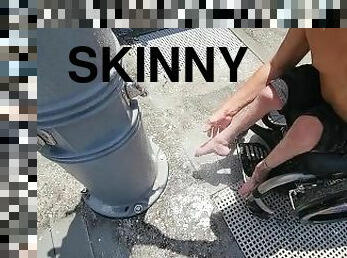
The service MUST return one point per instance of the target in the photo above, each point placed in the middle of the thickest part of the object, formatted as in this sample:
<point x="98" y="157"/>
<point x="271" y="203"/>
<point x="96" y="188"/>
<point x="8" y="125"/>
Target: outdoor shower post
<point x="92" y="130"/>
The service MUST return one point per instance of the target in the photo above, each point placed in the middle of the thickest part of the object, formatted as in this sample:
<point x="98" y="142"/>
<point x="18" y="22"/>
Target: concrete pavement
<point x="183" y="222"/>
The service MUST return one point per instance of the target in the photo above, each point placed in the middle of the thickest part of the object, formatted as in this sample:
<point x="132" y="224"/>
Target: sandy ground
<point x="184" y="221"/>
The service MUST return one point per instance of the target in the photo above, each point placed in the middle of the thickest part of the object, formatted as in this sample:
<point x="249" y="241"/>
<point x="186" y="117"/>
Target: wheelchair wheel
<point x="323" y="203"/>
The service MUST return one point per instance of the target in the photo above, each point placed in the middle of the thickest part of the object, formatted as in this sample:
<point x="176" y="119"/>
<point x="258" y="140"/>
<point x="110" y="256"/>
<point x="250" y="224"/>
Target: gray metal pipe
<point x="92" y="130"/>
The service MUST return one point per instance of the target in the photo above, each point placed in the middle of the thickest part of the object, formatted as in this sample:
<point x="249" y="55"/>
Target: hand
<point x="259" y="175"/>
<point x="218" y="122"/>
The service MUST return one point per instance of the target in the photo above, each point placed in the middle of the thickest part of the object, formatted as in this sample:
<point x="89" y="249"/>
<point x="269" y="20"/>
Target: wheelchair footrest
<point x="250" y="155"/>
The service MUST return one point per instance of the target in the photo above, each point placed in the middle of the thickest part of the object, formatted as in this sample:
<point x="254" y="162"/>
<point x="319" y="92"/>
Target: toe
<point x="244" y="190"/>
<point x="247" y="188"/>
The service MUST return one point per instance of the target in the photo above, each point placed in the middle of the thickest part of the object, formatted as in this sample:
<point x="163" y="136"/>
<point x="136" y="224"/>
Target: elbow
<point x="273" y="71"/>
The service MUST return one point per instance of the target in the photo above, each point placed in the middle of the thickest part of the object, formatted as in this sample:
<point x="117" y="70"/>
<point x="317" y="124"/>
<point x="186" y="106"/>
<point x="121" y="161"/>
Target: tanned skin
<point x="329" y="56"/>
<point x="256" y="98"/>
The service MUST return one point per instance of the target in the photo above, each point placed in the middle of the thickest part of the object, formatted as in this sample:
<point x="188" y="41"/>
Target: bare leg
<point x="266" y="101"/>
<point x="302" y="137"/>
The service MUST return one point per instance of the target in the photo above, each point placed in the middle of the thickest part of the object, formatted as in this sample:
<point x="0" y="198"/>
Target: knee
<point x="269" y="97"/>
<point x="306" y="132"/>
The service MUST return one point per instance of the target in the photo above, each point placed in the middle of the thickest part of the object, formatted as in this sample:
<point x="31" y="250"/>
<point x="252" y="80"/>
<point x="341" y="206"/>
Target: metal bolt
<point x="84" y="191"/>
<point x="138" y="208"/>
<point x="47" y="137"/>
<point x="40" y="141"/>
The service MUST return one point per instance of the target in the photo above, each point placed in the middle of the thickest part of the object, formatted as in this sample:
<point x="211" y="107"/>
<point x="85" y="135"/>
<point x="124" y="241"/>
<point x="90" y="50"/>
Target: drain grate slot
<point x="281" y="235"/>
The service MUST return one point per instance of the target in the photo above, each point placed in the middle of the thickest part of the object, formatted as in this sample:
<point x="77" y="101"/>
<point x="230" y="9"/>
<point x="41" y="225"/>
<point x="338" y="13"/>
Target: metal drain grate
<point x="199" y="38"/>
<point x="282" y="235"/>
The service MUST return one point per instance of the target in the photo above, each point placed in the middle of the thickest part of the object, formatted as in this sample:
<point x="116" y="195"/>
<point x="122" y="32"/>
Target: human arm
<point x="293" y="48"/>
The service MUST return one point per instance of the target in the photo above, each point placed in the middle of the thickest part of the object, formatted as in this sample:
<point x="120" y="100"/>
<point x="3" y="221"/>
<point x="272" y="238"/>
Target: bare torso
<point x="329" y="56"/>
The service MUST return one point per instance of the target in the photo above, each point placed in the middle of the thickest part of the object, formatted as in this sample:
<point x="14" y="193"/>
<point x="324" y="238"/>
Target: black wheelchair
<point x="315" y="182"/>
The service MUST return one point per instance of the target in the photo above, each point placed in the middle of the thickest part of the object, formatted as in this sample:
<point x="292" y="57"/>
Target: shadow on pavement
<point x="117" y="237"/>
<point x="224" y="171"/>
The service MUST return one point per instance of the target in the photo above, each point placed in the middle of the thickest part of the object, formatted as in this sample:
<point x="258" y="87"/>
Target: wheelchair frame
<point x="314" y="198"/>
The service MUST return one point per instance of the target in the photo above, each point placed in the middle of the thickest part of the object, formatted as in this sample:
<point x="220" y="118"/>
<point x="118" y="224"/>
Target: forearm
<point x="251" y="88"/>
<point x="293" y="48"/>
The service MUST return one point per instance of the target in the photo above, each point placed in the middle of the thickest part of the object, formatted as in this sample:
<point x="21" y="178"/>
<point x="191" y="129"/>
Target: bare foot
<point x="214" y="145"/>
<point x="248" y="187"/>
<point x="259" y="175"/>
